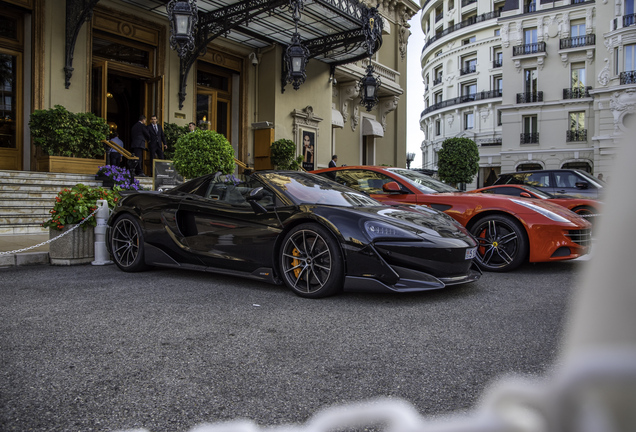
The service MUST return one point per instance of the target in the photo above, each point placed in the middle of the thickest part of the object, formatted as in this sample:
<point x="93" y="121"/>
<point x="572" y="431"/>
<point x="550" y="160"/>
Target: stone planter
<point x="61" y="164"/>
<point x="75" y="248"/>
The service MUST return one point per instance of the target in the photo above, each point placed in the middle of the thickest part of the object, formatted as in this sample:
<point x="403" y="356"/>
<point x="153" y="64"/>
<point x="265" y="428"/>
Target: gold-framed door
<point x="213" y="111"/>
<point x="11" y="95"/>
<point x="99" y="91"/>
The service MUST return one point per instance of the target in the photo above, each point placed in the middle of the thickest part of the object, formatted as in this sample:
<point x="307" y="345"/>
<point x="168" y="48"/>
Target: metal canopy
<point x="335" y="31"/>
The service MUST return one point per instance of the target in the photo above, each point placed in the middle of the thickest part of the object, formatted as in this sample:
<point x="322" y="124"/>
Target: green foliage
<point x="59" y="132"/>
<point x="283" y="155"/>
<point x="203" y="152"/>
<point x="458" y="161"/>
<point x="173" y="132"/>
<point x="74" y="205"/>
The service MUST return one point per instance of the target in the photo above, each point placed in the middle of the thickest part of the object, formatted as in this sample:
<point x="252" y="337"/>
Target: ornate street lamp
<point x="183" y="17"/>
<point x="296" y="55"/>
<point x="369" y="85"/>
<point x="410" y="157"/>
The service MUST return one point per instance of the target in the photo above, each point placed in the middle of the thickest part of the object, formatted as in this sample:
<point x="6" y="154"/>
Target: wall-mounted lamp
<point x="254" y="58"/>
<point x="183" y="17"/>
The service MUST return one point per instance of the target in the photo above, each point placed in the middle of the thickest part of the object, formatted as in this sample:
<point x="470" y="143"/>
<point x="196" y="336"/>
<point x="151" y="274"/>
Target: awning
<point x="372" y="127"/>
<point x="336" y="118"/>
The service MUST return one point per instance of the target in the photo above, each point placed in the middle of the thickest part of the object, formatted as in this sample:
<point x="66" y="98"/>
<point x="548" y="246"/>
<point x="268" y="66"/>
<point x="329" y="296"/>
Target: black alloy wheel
<point x="311" y="262"/>
<point x="126" y="243"/>
<point x="502" y="243"/>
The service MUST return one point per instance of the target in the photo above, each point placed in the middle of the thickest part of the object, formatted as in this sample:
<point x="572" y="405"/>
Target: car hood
<point x="421" y="219"/>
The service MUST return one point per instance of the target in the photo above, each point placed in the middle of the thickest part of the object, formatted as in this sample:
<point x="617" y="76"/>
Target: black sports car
<point x="316" y="236"/>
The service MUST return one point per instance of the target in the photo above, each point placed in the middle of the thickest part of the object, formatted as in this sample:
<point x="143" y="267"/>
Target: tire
<point x="502" y="243"/>
<point x="585" y="211"/>
<point x="311" y="263"/>
<point x="127" y="244"/>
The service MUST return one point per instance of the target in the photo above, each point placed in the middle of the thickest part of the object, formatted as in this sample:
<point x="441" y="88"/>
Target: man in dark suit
<point x="333" y="161"/>
<point x="157" y="142"/>
<point x="138" y="140"/>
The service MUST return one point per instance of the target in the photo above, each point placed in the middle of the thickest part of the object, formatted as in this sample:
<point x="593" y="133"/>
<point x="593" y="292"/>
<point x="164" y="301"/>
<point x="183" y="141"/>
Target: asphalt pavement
<point x="90" y="348"/>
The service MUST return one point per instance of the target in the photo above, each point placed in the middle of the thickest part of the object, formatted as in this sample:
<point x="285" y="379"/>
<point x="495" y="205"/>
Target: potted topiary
<point x="283" y="155"/>
<point x="72" y="221"/>
<point x="203" y="152"/>
<point x="70" y="143"/>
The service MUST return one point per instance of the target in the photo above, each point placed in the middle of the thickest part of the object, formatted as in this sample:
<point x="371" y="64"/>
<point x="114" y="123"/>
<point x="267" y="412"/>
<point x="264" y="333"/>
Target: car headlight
<point x="378" y="229"/>
<point x="545" y="212"/>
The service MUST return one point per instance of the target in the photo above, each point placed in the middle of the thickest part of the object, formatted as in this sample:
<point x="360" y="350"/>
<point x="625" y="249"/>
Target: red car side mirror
<point x="391" y="187"/>
<point x="525" y="195"/>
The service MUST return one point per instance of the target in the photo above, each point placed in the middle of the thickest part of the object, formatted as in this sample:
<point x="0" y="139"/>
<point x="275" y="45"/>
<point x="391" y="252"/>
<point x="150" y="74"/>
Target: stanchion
<point x="101" y="253"/>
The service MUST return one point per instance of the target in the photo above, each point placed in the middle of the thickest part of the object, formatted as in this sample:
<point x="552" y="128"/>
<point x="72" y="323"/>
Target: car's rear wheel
<point x="502" y="243"/>
<point x="584" y="210"/>
<point x="127" y="244"/>
<point x="311" y="263"/>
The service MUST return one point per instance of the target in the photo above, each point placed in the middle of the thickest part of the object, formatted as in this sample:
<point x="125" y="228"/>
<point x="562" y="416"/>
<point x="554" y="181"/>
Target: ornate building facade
<point x="113" y="58"/>
<point x="567" y="87"/>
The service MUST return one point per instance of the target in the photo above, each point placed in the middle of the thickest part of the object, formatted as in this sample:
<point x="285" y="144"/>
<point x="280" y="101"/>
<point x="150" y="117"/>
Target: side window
<point x="364" y="181"/>
<point x="234" y="190"/>
<point x="538" y="180"/>
<point x="566" y="180"/>
<point x="507" y="191"/>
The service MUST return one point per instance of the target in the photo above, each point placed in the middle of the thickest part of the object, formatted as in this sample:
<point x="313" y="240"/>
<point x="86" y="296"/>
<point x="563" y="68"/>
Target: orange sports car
<point x="587" y="208"/>
<point x="509" y="230"/>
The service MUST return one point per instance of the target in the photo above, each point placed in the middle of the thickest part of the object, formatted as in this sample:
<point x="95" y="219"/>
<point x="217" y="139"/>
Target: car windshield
<point x="591" y="179"/>
<point x="305" y="188"/>
<point x="424" y="183"/>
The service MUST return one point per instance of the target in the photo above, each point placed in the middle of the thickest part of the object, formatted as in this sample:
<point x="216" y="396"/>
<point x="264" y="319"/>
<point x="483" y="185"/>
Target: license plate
<point x="471" y="253"/>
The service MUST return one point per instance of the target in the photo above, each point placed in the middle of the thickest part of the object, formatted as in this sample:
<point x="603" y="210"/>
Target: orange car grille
<point x="581" y="237"/>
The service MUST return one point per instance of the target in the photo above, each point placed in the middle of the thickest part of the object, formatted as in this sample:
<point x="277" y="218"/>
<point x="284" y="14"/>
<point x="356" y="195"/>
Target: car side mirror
<point x="391" y="187"/>
<point x="255" y="194"/>
<point x="525" y="195"/>
<point x="581" y="185"/>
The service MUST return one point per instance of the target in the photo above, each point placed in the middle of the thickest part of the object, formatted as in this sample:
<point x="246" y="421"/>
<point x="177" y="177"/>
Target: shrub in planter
<point x="59" y="132"/>
<point x="283" y="155"/>
<point x="173" y="132"/>
<point x="74" y="205"/>
<point x="203" y="152"/>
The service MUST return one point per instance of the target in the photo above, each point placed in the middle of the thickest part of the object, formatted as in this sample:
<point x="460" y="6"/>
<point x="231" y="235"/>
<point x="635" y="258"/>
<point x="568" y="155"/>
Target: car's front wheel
<point x="311" y="263"/>
<point x="502" y="243"/>
<point x="127" y="244"/>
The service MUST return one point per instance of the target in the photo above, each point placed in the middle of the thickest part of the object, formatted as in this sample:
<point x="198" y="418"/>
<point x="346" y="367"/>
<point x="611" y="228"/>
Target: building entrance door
<point x="10" y="110"/>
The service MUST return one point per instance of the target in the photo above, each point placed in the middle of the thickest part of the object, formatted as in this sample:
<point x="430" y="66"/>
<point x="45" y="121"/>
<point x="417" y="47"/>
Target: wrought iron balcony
<point x="532" y="48"/>
<point x="463" y="99"/>
<point x="628" y="77"/>
<point x="468" y="70"/>
<point x="530" y="97"/>
<point x="577" y="92"/>
<point x="468" y="2"/>
<point x="530" y="138"/>
<point x="629" y="20"/>
<point x="437" y="80"/>
<point x="576" y="135"/>
<point x="497" y="63"/>
<point x="577" y="41"/>
<point x="467" y="22"/>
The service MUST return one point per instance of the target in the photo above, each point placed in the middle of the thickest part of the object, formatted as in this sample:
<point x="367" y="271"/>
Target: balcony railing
<point x="577" y="41"/>
<point x="577" y="93"/>
<point x="467" y="22"/>
<point x="532" y="48"/>
<point x="437" y="80"/>
<point x="576" y="135"/>
<point x="463" y="99"/>
<point x="468" y="70"/>
<point x="468" y="2"/>
<point x="628" y="77"/>
<point x="530" y="138"/>
<point x="629" y="20"/>
<point x="530" y="97"/>
<point x="497" y="63"/>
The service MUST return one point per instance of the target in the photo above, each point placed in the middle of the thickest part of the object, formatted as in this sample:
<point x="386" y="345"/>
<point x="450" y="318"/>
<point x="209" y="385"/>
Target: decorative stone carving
<point x="565" y="29"/>
<point x="505" y="29"/>
<point x="386" y="106"/>
<point x="355" y="119"/>
<point x="306" y="117"/>
<point x="540" y="31"/>
<point x="518" y="65"/>
<point x="404" y="34"/>
<point x="450" y="118"/>
<point x="604" y="74"/>
<point x="519" y="27"/>
<point x="622" y="103"/>
<point x="590" y="56"/>
<point x="589" y="12"/>
<point x="540" y="62"/>
<point x="484" y="113"/>
<point x="564" y="59"/>
<point x="347" y="92"/>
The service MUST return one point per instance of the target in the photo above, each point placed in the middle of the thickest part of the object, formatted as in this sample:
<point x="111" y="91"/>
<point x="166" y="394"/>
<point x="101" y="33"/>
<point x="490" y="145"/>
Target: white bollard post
<point x="101" y="253"/>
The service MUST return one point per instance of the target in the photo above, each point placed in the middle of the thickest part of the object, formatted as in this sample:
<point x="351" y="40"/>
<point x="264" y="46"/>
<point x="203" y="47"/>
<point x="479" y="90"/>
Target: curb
<point x="24" y="259"/>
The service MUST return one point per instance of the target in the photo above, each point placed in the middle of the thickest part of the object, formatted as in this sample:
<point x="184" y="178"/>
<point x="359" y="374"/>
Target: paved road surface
<point x="92" y="348"/>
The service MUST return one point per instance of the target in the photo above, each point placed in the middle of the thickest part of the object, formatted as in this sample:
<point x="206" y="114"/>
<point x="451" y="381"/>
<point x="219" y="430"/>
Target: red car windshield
<point x="422" y="182"/>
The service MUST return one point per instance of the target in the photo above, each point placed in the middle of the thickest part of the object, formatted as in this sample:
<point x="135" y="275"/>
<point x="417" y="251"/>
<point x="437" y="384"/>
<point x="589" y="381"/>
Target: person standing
<point x="114" y="158"/>
<point x="192" y="127"/>
<point x="333" y="161"/>
<point x="139" y="137"/>
<point x="157" y="142"/>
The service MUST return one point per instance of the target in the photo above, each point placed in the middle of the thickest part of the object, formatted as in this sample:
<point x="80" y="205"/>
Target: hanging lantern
<point x="183" y="18"/>
<point x="369" y="85"/>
